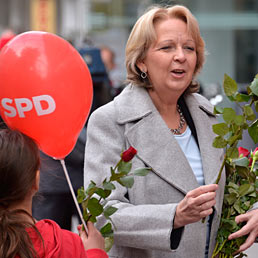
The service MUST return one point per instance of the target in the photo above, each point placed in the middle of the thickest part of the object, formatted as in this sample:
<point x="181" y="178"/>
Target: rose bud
<point x="129" y="154"/>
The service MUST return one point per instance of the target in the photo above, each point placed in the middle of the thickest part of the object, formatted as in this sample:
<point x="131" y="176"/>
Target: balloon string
<point x="73" y="194"/>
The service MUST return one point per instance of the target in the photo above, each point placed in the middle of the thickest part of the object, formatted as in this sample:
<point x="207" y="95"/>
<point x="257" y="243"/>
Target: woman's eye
<point x="165" y="47"/>
<point x="189" y="48"/>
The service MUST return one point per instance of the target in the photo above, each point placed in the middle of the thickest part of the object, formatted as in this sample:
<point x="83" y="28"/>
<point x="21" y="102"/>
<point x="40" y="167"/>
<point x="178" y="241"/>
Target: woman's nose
<point x="179" y="55"/>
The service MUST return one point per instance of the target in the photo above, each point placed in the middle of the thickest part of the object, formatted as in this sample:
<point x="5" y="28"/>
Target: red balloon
<point x="46" y="90"/>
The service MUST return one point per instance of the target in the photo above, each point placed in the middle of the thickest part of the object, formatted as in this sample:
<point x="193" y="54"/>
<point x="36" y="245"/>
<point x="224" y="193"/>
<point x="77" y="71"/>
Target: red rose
<point x="129" y="154"/>
<point x="244" y="152"/>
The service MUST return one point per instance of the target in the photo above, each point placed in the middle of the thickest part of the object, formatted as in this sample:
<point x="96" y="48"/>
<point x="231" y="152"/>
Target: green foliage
<point x="241" y="189"/>
<point x="93" y="200"/>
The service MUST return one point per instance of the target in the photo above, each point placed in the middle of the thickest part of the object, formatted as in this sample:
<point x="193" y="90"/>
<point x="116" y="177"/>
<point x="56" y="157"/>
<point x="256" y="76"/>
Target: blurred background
<point x="229" y="28"/>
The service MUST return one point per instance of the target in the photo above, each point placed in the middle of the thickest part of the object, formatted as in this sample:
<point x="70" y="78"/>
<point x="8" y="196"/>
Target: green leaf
<point x="253" y="194"/>
<point x="254" y="86"/>
<point x="141" y="171"/>
<point x="242" y="162"/>
<point x="218" y="110"/>
<point x="230" y="198"/>
<point x="232" y="153"/>
<point x="220" y="129"/>
<point x="229" y="115"/>
<point x="238" y="208"/>
<point x="91" y="188"/>
<point x="109" y="210"/>
<point x="245" y="189"/>
<point x="107" y="230"/>
<point x="242" y="97"/>
<point x="81" y="195"/>
<point x="108" y="186"/>
<point x="229" y="85"/>
<point x="253" y="131"/>
<point x="229" y="224"/>
<point x="124" y="167"/>
<point x="249" y="112"/>
<point x="95" y="207"/>
<point x="219" y="142"/>
<point x="256" y="105"/>
<point x="239" y="120"/>
<point x="102" y="193"/>
<point x="109" y="241"/>
<point x="232" y="185"/>
<point x="232" y="98"/>
<point x="127" y="181"/>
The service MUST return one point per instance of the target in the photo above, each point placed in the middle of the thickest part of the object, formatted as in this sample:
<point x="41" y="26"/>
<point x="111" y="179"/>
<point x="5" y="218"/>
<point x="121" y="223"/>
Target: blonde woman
<point x="160" y="114"/>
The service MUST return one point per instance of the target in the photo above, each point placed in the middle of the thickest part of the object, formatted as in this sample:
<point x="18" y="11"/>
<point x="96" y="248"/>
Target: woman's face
<point x="170" y="61"/>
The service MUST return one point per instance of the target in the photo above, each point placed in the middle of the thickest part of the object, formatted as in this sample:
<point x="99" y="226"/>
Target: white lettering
<point x="23" y="104"/>
<point x="5" y="105"/>
<point x="37" y="103"/>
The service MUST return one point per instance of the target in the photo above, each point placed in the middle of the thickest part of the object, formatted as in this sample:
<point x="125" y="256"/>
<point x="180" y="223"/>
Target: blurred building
<point x="230" y="28"/>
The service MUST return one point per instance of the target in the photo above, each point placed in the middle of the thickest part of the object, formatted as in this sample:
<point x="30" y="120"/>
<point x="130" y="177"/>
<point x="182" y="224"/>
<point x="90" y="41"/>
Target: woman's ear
<point x="141" y="65"/>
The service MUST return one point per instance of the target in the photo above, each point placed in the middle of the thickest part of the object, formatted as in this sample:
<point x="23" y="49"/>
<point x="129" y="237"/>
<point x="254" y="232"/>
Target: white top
<point x="192" y="153"/>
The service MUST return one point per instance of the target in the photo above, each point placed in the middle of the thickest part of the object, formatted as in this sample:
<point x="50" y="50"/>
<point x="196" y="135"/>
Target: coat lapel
<point x="156" y="145"/>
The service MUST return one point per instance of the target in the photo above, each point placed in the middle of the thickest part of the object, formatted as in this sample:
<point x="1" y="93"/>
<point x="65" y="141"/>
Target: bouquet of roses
<point x="241" y="166"/>
<point x="93" y="198"/>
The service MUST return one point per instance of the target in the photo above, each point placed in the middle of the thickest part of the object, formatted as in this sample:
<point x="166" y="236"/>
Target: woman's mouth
<point x="178" y="73"/>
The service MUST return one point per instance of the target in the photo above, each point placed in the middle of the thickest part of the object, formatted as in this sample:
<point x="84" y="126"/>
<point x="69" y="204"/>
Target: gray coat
<point x="144" y="220"/>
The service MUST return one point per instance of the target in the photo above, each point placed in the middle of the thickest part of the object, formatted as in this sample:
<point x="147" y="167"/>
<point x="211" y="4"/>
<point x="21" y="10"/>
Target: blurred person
<point x="108" y="57"/>
<point x="21" y="235"/>
<point x="117" y="82"/>
<point x="100" y="77"/>
<point x="160" y="114"/>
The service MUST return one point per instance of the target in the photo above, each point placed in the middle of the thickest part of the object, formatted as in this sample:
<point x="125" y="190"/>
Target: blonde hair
<point x="143" y="35"/>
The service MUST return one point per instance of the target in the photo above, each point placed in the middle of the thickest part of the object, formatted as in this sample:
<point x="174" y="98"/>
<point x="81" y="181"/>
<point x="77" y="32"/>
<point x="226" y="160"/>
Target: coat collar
<point x="158" y="147"/>
<point x="132" y="104"/>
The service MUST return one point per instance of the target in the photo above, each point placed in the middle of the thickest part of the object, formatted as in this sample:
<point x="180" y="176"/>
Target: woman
<point x="20" y="235"/>
<point x="170" y="125"/>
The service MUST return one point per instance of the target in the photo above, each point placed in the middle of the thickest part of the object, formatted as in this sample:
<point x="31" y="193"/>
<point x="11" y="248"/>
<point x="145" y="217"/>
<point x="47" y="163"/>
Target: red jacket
<point x="60" y="243"/>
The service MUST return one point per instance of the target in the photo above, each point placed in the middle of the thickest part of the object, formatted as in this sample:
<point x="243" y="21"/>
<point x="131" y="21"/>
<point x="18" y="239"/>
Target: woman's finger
<point x="249" y="241"/>
<point x="202" y="190"/>
<point x="242" y="232"/>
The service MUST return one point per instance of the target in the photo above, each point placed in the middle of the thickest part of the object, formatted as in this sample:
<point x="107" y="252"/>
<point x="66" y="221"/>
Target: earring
<point x="143" y="75"/>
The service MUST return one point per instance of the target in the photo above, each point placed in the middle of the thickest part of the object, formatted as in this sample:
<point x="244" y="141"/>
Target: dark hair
<point x="19" y="162"/>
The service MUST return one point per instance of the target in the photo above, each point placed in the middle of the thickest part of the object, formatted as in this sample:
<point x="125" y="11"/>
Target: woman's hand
<point x="251" y="229"/>
<point x="196" y="205"/>
<point x="94" y="238"/>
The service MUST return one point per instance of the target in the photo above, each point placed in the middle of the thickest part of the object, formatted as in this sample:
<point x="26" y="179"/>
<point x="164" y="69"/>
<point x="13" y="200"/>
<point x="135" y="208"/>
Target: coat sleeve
<point x="96" y="253"/>
<point x="145" y="226"/>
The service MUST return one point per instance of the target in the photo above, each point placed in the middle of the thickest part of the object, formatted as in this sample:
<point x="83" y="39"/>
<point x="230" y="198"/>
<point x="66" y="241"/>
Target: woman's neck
<point x="165" y="104"/>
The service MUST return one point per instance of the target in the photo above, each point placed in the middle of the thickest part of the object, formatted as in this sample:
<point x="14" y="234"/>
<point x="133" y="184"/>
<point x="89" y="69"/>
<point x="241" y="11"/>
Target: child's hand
<point x="94" y="238"/>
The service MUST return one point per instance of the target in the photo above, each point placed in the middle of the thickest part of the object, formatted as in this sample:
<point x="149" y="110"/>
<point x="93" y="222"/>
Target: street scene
<point x="128" y="128"/>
